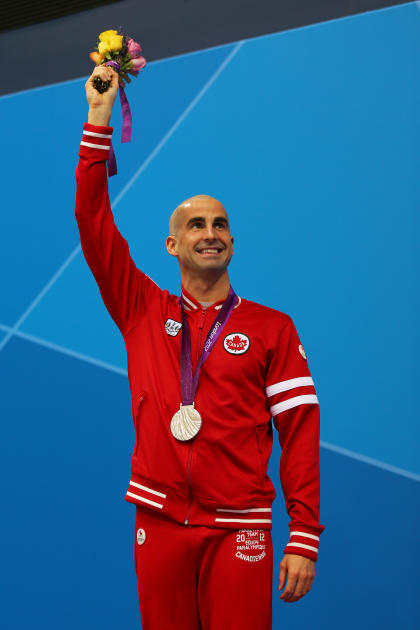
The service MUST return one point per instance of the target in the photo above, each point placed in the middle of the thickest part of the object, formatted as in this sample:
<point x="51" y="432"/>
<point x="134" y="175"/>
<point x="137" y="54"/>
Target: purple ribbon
<point x="126" y="112"/>
<point x="127" y="122"/>
<point x="111" y="162"/>
<point x="189" y="381"/>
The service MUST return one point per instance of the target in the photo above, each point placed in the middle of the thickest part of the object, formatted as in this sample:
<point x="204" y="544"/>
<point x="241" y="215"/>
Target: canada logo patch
<point x="236" y="343"/>
<point x="141" y="536"/>
<point x="172" y="327"/>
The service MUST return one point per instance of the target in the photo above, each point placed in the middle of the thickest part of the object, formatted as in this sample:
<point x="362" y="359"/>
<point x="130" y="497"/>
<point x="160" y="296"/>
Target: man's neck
<point x="206" y="289"/>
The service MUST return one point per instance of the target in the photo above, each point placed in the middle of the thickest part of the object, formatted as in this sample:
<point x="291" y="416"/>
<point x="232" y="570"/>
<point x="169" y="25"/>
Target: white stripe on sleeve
<point x="304" y="534"/>
<point x="105" y="147"/>
<point x="283" y="386"/>
<point x="94" y="134"/>
<point x="293" y="402"/>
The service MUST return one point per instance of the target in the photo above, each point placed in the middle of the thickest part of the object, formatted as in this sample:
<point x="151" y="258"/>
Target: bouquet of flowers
<point x="124" y="54"/>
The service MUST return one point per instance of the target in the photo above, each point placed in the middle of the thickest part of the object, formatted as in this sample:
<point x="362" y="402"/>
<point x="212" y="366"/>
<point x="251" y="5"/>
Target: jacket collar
<point x="191" y="304"/>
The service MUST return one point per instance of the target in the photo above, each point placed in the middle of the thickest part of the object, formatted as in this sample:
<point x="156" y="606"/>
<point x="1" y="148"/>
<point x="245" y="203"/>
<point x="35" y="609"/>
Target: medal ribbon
<point x="189" y="381"/>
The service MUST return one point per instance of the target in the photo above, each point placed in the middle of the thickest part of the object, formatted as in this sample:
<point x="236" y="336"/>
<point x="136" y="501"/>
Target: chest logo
<point x="236" y="343"/>
<point x="172" y="327"/>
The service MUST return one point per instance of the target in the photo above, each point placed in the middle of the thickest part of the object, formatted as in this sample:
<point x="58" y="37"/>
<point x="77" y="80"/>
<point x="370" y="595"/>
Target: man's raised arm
<point x="124" y="288"/>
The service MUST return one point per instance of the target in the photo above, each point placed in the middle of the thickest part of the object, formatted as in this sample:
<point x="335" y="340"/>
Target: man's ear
<point x="171" y="245"/>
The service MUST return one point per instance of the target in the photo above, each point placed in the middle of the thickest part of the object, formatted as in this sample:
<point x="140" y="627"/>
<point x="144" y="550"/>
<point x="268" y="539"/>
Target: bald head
<point x="200" y="237"/>
<point x="189" y="208"/>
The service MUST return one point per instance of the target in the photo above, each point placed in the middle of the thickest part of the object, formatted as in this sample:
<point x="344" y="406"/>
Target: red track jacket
<point x="256" y="371"/>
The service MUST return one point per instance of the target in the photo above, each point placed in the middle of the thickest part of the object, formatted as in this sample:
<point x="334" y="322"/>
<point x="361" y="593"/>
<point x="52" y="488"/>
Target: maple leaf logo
<point x="236" y="343"/>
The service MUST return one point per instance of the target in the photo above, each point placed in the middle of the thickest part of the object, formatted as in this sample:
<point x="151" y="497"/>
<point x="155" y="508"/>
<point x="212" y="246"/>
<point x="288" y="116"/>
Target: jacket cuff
<point x="96" y="139"/>
<point x="304" y="540"/>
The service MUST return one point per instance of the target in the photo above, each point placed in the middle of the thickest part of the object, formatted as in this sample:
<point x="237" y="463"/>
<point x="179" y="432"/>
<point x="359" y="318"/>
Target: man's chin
<point x="212" y="266"/>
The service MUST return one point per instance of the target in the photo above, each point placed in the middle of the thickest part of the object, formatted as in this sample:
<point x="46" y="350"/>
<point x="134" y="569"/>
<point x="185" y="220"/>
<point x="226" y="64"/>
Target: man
<point x="207" y="371"/>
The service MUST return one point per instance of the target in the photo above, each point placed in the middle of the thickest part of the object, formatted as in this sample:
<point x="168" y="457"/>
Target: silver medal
<point x="186" y="423"/>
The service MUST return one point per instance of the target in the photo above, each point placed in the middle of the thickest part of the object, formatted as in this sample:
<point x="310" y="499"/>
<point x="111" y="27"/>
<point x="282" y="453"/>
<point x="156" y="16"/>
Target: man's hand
<point x="300" y="573"/>
<point x="100" y="105"/>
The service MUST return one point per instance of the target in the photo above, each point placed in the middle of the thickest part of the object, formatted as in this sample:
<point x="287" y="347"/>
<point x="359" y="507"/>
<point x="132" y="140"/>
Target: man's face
<point x="200" y="235"/>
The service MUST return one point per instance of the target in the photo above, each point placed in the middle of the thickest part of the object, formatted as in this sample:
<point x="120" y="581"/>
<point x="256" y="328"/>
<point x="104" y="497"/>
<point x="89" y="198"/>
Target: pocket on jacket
<point x="137" y="418"/>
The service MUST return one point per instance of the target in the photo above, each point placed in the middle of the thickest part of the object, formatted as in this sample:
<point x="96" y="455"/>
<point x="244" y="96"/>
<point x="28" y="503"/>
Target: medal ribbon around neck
<point x="187" y="421"/>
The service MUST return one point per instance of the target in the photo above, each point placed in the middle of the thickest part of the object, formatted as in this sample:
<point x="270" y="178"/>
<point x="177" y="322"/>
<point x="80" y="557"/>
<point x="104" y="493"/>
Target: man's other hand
<point x="300" y="573"/>
<point x="100" y="105"/>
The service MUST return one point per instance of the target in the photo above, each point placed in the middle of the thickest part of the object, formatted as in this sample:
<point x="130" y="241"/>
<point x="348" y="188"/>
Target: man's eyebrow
<point x="202" y="220"/>
<point x="222" y="220"/>
<point x="194" y="219"/>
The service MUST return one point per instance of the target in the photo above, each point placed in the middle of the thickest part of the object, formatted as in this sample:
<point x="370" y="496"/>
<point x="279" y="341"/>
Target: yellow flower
<point x="103" y="48"/>
<point x="109" y="41"/>
<point x="106" y="35"/>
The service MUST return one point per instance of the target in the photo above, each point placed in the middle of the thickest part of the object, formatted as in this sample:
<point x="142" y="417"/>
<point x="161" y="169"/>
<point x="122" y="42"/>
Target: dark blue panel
<point x="368" y="559"/>
<point x="66" y="436"/>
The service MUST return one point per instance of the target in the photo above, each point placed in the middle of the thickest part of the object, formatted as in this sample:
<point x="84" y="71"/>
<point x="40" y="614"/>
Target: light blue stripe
<point x="66" y="351"/>
<point x="370" y="460"/>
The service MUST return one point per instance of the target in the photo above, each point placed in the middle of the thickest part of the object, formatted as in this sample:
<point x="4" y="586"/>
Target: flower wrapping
<point x="124" y="54"/>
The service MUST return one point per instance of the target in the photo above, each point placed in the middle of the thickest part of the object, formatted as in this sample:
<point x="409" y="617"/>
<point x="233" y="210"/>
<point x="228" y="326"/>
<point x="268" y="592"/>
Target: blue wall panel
<point x="66" y="435"/>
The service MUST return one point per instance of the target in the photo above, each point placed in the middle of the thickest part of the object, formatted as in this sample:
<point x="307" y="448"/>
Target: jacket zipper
<point x="189" y="484"/>
<point x="200" y="330"/>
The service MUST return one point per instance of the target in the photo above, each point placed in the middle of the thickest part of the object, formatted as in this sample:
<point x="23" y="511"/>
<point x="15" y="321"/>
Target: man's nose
<point x="209" y="232"/>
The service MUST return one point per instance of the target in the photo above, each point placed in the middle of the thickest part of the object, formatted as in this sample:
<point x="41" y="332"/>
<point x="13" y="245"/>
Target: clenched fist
<point x="100" y="105"/>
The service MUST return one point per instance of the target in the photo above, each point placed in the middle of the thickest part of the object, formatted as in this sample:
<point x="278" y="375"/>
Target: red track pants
<point x="192" y="577"/>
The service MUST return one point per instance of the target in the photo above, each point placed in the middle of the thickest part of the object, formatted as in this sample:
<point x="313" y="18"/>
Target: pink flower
<point x="138" y="63"/>
<point x="134" y="49"/>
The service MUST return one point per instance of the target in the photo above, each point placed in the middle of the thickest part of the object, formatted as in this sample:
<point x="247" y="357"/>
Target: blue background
<point x="310" y="139"/>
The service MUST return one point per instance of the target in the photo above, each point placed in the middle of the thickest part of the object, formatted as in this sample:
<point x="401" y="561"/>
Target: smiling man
<point x="208" y="372"/>
<point x="200" y="238"/>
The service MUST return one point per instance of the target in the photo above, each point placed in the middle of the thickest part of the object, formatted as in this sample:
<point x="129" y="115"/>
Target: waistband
<point x="178" y="505"/>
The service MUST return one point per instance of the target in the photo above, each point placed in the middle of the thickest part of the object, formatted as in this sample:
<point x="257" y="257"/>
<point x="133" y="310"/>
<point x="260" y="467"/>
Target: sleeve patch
<point x="302" y="351"/>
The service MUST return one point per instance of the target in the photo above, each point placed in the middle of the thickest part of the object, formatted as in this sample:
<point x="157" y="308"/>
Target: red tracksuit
<point x="211" y="494"/>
